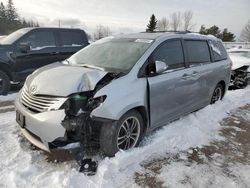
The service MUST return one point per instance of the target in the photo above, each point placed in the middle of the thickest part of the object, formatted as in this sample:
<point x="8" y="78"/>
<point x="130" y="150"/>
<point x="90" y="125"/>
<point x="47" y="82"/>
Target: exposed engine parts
<point x="240" y="78"/>
<point x="80" y="127"/>
<point x="88" y="166"/>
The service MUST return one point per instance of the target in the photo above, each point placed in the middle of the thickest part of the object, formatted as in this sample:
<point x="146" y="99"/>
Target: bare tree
<point x="187" y="17"/>
<point x="101" y="32"/>
<point x="163" y="24"/>
<point x="245" y="33"/>
<point x="175" y="20"/>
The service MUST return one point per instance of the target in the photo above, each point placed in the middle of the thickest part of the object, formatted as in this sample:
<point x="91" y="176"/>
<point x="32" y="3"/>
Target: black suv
<point x="27" y="49"/>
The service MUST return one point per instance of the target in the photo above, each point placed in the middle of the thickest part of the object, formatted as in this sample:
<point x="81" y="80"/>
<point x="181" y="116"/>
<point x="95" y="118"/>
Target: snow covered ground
<point x="20" y="166"/>
<point x="9" y="97"/>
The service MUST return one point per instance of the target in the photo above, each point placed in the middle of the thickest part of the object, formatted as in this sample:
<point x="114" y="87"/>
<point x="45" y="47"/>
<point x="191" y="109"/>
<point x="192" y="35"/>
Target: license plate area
<point x="20" y="119"/>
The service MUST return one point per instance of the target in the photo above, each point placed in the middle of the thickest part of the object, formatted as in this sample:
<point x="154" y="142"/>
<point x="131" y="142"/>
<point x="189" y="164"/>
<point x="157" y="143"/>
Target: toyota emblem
<point x="32" y="89"/>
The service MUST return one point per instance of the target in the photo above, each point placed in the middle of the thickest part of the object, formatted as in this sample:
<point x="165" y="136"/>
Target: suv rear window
<point x="198" y="52"/>
<point x="71" y="38"/>
<point x="218" y="50"/>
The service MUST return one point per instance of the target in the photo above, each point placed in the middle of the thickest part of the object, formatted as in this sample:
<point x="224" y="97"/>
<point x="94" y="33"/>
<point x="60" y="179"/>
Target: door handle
<point x="54" y="53"/>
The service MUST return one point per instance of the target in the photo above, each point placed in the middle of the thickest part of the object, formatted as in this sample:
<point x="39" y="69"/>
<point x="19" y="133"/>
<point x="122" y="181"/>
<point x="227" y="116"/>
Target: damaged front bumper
<point x="55" y="128"/>
<point x="240" y="77"/>
<point x="40" y="128"/>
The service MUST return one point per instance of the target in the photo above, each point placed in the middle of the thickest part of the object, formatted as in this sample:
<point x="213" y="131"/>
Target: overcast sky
<point x="133" y="15"/>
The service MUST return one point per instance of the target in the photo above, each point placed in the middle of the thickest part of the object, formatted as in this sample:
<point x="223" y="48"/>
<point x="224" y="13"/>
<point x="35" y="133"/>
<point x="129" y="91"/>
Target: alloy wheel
<point x="129" y="133"/>
<point x="217" y="95"/>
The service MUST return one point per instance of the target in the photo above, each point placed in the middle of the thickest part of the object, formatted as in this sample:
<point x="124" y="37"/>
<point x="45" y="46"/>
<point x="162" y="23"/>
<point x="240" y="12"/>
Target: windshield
<point x="241" y="53"/>
<point x="112" y="54"/>
<point x="10" y="39"/>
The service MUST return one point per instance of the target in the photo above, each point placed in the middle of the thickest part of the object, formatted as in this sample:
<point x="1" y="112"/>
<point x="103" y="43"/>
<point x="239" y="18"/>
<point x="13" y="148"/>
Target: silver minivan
<point x="113" y="92"/>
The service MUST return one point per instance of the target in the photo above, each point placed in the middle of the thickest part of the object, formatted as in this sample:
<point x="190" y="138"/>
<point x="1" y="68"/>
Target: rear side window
<point x="171" y="53"/>
<point x="40" y="39"/>
<point x="198" y="52"/>
<point x="71" y="38"/>
<point x="218" y="50"/>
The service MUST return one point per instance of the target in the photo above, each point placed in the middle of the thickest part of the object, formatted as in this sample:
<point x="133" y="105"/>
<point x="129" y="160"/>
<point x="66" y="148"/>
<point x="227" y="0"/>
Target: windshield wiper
<point x="66" y="61"/>
<point x="85" y="65"/>
<point x="92" y="66"/>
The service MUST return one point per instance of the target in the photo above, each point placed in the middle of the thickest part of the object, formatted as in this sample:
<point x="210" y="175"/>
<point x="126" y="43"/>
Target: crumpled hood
<point x="239" y="61"/>
<point x="62" y="80"/>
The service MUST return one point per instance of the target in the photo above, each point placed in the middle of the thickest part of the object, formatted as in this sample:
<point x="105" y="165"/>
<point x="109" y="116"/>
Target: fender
<point x="123" y="95"/>
<point x="6" y="68"/>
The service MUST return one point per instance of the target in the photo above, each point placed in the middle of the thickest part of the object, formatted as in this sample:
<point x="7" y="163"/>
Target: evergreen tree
<point x="214" y="30"/>
<point x="152" y="24"/>
<point x="11" y="11"/>
<point x="2" y="11"/>
<point x="2" y="18"/>
<point x="203" y="30"/>
<point x="10" y="20"/>
<point x="225" y="35"/>
<point x="24" y="23"/>
<point x="37" y="24"/>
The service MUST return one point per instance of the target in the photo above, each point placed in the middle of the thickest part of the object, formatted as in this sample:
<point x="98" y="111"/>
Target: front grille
<point x="37" y="103"/>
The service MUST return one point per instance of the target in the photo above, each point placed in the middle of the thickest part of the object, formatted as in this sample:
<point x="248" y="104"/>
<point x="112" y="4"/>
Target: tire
<point x="4" y="83"/>
<point x="111" y="131"/>
<point x="244" y="82"/>
<point x="248" y="79"/>
<point x="217" y="94"/>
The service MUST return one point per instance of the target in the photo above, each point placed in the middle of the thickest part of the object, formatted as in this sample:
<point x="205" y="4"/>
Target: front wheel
<point x="217" y="94"/>
<point x="123" y="134"/>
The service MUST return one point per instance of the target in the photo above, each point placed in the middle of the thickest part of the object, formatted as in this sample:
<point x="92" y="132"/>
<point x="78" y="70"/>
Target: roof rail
<point x="172" y="31"/>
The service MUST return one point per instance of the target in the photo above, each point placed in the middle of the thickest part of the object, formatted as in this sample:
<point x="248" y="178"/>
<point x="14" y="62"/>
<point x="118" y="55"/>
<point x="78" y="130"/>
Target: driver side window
<point x="171" y="53"/>
<point x="40" y="39"/>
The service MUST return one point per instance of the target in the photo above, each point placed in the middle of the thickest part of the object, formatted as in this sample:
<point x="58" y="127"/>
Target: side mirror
<point x="160" y="67"/>
<point x="24" y="47"/>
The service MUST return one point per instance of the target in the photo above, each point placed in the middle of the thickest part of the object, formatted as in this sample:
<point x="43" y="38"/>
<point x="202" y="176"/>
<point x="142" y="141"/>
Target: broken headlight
<point x="95" y="102"/>
<point x="79" y="103"/>
<point x="74" y="104"/>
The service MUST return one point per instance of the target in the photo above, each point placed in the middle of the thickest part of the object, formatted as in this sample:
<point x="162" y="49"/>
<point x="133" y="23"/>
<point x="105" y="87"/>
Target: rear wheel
<point x="248" y="79"/>
<point x="121" y="135"/>
<point x="217" y="94"/>
<point x="245" y="81"/>
<point x="4" y="83"/>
